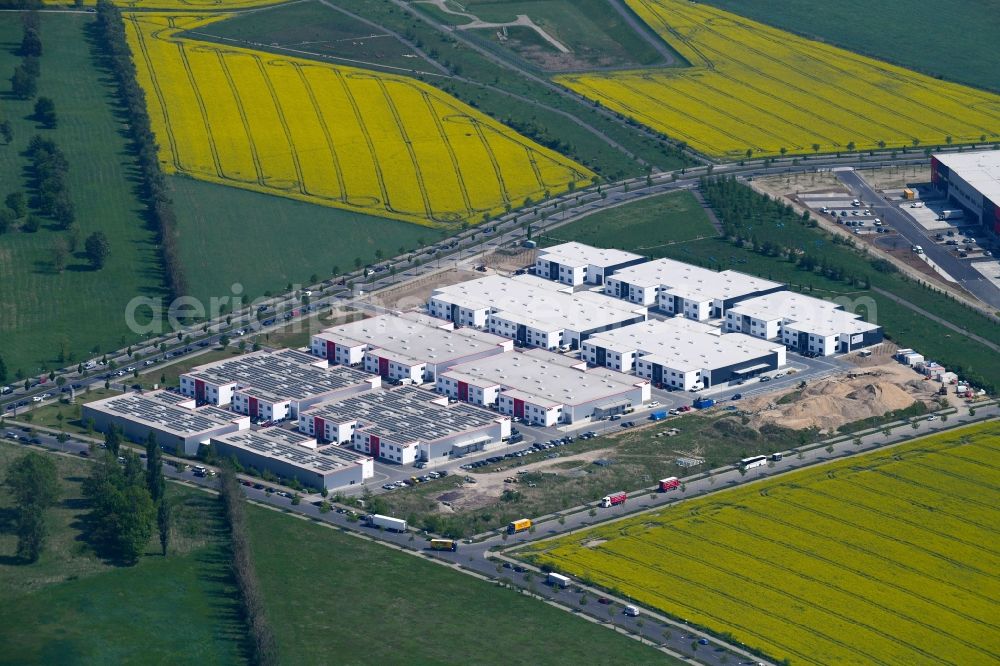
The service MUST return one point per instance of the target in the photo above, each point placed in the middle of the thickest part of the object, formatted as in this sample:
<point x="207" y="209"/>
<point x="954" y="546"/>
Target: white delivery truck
<point x="387" y="522"/>
<point x="557" y="580"/>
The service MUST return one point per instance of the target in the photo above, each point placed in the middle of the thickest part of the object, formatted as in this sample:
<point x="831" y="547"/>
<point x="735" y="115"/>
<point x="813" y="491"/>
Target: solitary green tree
<point x="97" y="248"/>
<point x="34" y="485"/>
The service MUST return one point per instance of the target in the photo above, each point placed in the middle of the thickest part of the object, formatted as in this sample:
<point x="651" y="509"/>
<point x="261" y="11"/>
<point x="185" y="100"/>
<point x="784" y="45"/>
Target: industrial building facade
<point x="531" y="311"/>
<point x="803" y="323"/>
<point x="543" y="388"/>
<point x="409" y="347"/>
<point x="180" y="426"/>
<point x="293" y="455"/>
<point x="405" y="425"/>
<point x="972" y="180"/>
<point x="676" y="288"/>
<point x="576" y="264"/>
<point x="682" y="354"/>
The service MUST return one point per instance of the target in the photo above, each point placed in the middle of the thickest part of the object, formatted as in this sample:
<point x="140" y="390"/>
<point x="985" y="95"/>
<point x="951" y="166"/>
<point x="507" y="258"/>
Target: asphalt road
<point x="959" y="269"/>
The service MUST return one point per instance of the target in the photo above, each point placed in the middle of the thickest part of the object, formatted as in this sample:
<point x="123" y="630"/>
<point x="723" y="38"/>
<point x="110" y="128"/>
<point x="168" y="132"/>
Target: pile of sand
<point x="830" y="403"/>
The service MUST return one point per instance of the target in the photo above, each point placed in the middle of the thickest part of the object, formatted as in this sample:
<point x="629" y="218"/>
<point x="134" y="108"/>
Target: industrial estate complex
<point x="971" y="180"/>
<point x="588" y="339"/>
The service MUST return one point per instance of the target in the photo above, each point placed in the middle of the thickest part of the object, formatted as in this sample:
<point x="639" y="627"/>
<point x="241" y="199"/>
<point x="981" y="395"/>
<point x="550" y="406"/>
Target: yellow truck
<point x="519" y="526"/>
<point x="444" y="544"/>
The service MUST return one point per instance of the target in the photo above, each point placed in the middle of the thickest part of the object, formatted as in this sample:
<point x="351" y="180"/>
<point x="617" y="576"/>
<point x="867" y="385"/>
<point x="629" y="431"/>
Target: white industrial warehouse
<point x="806" y="324"/>
<point x="409" y="346"/>
<point x="575" y="263"/>
<point x="273" y="386"/>
<point x="544" y="388"/>
<point x="179" y="425"/>
<point x="532" y="311"/>
<point x="683" y="354"/>
<point x="972" y="180"/>
<point x="677" y="288"/>
<point x="405" y="425"/>
<point x="293" y="455"/>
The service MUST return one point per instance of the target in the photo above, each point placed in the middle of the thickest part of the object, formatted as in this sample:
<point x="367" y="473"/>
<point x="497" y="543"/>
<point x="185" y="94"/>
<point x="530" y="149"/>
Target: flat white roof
<point x="578" y="254"/>
<point x="542" y="377"/>
<point x="293" y="448"/>
<point x="169" y="412"/>
<point x="676" y="344"/>
<point x="980" y="169"/>
<point x="535" y="302"/>
<point x="413" y="340"/>
<point x="693" y="282"/>
<point x="804" y="313"/>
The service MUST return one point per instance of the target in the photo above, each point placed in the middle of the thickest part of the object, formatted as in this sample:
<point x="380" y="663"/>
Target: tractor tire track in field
<point x="862" y="487"/>
<point x="800" y="601"/>
<point x="838" y="565"/>
<point x="408" y="142"/>
<point x="880" y="535"/>
<point x="144" y="49"/>
<point x="829" y="84"/>
<point x="359" y="119"/>
<point x="892" y="517"/>
<point x="203" y="109"/>
<point x="497" y="170"/>
<point x="300" y="178"/>
<point x="958" y="477"/>
<point x="741" y="601"/>
<point x="234" y="90"/>
<point x="327" y="137"/>
<point x="443" y="135"/>
<point x="790" y="527"/>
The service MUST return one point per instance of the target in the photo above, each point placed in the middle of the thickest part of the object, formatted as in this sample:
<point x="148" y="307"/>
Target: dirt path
<point x="643" y="31"/>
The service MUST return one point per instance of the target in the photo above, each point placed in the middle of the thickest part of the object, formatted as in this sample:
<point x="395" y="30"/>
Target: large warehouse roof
<point x="804" y="313"/>
<point x="293" y="448"/>
<point x="693" y="282"/>
<point x="165" y="411"/>
<point x="285" y="374"/>
<point x="676" y="344"/>
<point x="539" y="303"/>
<point x="413" y="340"/>
<point x="980" y="169"/>
<point x="406" y="414"/>
<point x="578" y="254"/>
<point x="543" y="377"/>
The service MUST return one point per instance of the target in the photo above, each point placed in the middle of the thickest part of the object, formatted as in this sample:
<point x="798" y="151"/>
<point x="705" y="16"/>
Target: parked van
<point x="632" y="611"/>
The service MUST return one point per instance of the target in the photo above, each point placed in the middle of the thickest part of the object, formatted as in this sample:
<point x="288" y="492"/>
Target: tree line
<point x="111" y="34"/>
<point x="265" y="647"/>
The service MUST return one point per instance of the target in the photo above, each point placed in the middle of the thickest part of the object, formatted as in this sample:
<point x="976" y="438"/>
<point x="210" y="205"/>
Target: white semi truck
<point x="387" y="522"/>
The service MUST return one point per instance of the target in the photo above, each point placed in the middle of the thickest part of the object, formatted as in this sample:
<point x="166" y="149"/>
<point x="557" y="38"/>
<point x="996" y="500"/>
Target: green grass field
<point x="42" y="311"/>
<point x="592" y="30"/>
<point x="953" y="41"/>
<point x="645" y="226"/>
<point x="73" y="608"/>
<point x="890" y="557"/>
<point x="332" y="594"/>
<point x="267" y="242"/>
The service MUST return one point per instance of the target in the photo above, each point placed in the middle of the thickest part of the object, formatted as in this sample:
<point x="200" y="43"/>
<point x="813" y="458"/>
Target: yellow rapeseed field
<point x="887" y="558"/>
<point x="754" y="87"/>
<point x="194" y="5"/>
<point x="339" y="136"/>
